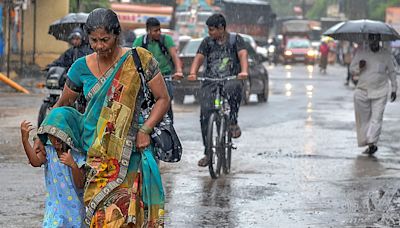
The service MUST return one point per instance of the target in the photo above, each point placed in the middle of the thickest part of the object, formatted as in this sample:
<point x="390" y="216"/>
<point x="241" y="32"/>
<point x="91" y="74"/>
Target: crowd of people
<point x="100" y="167"/>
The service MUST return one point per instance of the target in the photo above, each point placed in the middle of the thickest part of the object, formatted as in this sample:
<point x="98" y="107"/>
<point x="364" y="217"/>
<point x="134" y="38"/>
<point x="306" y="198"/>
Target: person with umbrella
<point x="79" y="48"/>
<point x="375" y="68"/>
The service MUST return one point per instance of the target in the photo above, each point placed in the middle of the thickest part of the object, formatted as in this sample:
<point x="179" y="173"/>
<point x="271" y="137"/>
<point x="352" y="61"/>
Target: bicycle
<point x="219" y="144"/>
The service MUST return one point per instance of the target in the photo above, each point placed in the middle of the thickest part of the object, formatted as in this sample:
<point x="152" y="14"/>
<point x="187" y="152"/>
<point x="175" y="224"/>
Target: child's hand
<point x="26" y="127"/>
<point x="66" y="159"/>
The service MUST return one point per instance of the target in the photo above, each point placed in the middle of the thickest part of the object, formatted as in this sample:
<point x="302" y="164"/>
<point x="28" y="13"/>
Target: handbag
<point x="166" y="141"/>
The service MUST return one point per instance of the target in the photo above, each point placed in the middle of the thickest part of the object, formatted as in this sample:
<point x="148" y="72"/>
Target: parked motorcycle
<point x="55" y="80"/>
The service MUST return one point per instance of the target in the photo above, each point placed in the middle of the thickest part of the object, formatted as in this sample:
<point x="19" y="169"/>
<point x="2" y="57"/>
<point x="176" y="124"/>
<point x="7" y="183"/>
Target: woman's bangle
<point x="145" y="129"/>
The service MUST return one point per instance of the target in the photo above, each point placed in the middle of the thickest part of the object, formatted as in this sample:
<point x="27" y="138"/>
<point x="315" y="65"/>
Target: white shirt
<point x="379" y="69"/>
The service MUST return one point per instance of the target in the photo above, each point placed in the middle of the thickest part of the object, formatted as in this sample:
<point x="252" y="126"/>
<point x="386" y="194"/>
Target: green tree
<point x="377" y="9"/>
<point x="87" y="5"/>
<point x="163" y="2"/>
<point x="284" y="7"/>
<point x="318" y="10"/>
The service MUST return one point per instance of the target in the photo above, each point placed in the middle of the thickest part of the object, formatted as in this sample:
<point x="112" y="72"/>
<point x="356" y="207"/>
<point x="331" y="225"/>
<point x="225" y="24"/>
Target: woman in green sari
<point x="123" y="184"/>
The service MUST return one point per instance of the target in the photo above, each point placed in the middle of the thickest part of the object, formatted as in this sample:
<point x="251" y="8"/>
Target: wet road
<point x="297" y="162"/>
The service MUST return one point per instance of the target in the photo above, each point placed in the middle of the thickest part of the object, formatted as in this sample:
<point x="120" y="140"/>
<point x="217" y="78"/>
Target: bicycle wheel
<point x="227" y="148"/>
<point x="214" y="147"/>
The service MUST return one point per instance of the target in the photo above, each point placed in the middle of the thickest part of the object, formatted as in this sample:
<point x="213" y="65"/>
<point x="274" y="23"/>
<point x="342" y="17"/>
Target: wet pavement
<point x="297" y="162"/>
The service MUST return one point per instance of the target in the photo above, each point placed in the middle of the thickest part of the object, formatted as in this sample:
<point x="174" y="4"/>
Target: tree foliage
<point x="87" y="5"/>
<point x="163" y="2"/>
<point x="318" y="10"/>
<point x="377" y="9"/>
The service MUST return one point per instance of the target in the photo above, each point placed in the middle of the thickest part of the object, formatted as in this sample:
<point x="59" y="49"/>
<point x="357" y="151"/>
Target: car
<point x="262" y="51"/>
<point x="299" y="50"/>
<point x="258" y="82"/>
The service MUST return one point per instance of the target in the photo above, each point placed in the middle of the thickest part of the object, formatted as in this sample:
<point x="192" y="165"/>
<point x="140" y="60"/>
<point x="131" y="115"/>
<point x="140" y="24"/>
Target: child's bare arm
<point x="36" y="159"/>
<point x="78" y="174"/>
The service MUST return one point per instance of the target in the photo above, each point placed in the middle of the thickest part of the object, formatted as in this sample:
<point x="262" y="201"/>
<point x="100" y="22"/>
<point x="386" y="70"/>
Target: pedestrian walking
<point x="323" y="61"/>
<point x="375" y="68"/>
<point x="123" y="186"/>
<point x="164" y="50"/>
<point x="348" y="53"/>
<point x="63" y="168"/>
<point x="226" y="55"/>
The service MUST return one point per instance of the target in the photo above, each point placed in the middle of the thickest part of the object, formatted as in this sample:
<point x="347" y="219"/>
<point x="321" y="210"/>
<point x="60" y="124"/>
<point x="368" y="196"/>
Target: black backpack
<point x="161" y="44"/>
<point x="233" y="53"/>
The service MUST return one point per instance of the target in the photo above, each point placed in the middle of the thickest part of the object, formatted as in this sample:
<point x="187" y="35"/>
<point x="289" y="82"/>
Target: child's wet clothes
<point x="64" y="201"/>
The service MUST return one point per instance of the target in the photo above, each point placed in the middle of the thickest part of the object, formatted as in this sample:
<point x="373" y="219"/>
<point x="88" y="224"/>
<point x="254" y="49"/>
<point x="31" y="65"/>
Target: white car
<point x="262" y="51"/>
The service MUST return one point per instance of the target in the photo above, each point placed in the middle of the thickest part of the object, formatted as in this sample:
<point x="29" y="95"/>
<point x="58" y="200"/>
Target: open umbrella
<point x="61" y="28"/>
<point x="358" y="30"/>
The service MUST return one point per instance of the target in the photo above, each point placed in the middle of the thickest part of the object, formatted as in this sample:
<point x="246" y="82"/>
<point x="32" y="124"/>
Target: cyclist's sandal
<point x="236" y="132"/>
<point x="203" y="162"/>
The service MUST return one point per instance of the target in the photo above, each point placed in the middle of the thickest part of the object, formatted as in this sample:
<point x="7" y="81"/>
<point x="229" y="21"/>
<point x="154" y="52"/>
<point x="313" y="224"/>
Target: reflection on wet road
<point x="297" y="162"/>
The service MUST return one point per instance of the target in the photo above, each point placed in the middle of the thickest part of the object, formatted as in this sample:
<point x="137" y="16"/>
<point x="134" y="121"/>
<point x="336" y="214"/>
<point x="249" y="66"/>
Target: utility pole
<point x="9" y="7"/>
<point x="34" y="31"/>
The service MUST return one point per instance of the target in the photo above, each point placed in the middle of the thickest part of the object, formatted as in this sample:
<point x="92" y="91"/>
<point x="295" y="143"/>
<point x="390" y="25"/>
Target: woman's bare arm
<point x="67" y="98"/>
<point x="160" y="93"/>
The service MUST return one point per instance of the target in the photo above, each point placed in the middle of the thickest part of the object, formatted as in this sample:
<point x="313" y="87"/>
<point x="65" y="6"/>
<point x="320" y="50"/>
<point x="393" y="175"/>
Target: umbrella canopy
<point x="358" y="30"/>
<point x="61" y="28"/>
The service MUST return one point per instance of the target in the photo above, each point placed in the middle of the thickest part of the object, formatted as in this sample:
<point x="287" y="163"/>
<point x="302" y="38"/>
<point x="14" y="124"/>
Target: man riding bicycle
<point x="164" y="51"/>
<point x="225" y="55"/>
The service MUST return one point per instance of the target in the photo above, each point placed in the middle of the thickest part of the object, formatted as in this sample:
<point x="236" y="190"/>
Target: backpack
<point x="161" y="44"/>
<point x="233" y="53"/>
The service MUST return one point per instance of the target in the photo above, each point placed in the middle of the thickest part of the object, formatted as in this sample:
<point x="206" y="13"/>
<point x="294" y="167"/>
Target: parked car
<point x="299" y="50"/>
<point x="258" y="82"/>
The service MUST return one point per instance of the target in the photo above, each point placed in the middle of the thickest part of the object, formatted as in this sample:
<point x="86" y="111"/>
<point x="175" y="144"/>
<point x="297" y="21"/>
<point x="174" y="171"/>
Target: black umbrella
<point x="63" y="27"/>
<point x="358" y="30"/>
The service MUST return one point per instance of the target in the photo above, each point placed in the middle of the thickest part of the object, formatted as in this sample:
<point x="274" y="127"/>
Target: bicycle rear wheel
<point x="215" y="158"/>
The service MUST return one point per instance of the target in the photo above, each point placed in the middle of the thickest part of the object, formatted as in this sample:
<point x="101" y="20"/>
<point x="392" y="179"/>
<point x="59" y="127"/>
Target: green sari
<point x="123" y="187"/>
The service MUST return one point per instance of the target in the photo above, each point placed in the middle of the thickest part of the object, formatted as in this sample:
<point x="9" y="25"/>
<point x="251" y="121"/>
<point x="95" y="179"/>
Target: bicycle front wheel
<point x="215" y="158"/>
<point x="227" y="140"/>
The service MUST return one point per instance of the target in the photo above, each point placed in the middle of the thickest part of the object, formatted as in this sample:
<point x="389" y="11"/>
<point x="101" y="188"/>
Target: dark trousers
<point x="233" y="91"/>
<point x="348" y="73"/>
<point x="170" y="88"/>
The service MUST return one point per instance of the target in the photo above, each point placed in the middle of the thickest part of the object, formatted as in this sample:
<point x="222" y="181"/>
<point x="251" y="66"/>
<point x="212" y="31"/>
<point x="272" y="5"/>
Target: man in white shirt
<point x="375" y="67"/>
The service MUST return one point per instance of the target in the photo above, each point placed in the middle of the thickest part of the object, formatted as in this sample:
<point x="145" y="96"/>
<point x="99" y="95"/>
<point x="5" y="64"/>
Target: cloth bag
<point x="166" y="141"/>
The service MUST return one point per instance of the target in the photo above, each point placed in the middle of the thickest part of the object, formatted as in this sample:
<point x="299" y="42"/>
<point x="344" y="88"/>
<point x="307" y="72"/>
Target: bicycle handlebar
<point x="227" y="78"/>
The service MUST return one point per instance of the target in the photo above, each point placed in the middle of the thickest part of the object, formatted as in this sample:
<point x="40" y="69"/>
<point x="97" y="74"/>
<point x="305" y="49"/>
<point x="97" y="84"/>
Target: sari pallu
<point x="123" y="187"/>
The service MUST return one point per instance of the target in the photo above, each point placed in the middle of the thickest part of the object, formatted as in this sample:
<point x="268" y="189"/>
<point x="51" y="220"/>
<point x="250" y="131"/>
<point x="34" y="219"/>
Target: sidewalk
<point x="29" y="79"/>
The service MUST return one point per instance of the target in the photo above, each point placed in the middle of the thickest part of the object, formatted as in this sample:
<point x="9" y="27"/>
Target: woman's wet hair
<point x="216" y="20"/>
<point x="152" y="22"/>
<point x="103" y="18"/>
